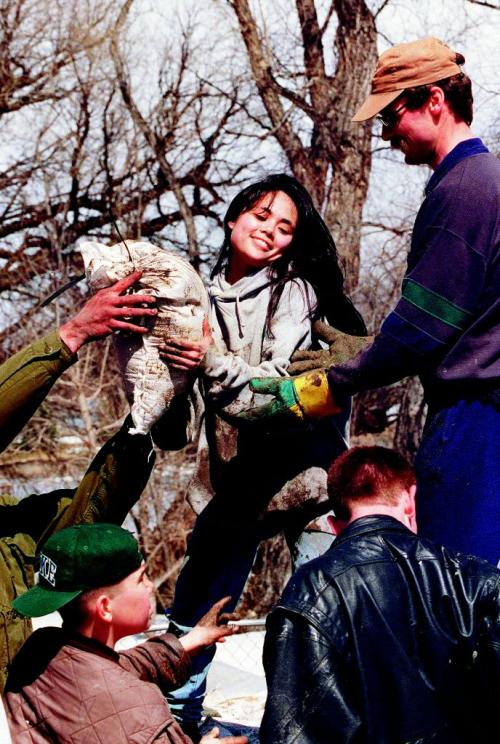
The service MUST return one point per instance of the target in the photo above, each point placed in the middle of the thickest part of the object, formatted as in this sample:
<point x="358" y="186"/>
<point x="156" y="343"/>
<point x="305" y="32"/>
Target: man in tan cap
<point x="406" y="66"/>
<point x="445" y="326"/>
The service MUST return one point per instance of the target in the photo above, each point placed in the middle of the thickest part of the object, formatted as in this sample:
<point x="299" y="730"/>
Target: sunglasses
<point x="390" y="118"/>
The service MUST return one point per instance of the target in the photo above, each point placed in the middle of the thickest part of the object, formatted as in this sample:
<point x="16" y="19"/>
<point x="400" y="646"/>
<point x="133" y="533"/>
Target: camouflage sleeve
<point x="25" y="380"/>
<point x="112" y="484"/>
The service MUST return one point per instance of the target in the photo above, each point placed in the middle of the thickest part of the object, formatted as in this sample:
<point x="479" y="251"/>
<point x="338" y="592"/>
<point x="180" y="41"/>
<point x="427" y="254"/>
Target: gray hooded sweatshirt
<point x="278" y="469"/>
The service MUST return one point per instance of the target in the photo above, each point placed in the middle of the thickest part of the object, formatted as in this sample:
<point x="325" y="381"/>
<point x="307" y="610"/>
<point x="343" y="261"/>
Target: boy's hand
<point x="212" y="628"/>
<point x="213" y="736"/>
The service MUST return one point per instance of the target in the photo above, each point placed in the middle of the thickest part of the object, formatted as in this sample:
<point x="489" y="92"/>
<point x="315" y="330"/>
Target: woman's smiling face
<point x="262" y="234"/>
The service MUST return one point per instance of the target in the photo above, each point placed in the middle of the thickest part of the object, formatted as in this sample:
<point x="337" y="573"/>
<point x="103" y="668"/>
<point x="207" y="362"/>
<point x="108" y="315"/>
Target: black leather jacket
<point x="386" y="639"/>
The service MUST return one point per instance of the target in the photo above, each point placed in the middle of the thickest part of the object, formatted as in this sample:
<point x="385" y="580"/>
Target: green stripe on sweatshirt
<point x="436" y="305"/>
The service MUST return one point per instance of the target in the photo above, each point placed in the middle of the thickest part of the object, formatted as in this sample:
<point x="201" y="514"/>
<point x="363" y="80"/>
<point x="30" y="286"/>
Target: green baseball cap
<point x="76" y="559"/>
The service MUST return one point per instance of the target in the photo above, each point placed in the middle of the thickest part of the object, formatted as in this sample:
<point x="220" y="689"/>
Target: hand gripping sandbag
<point x="150" y="385"/>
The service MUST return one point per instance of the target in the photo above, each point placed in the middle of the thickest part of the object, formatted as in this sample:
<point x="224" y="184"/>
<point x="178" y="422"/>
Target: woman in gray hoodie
<point x="276" y="273"/>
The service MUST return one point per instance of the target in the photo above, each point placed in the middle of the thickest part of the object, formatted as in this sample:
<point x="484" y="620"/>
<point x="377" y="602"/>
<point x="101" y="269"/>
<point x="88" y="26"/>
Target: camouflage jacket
<point x="111" y="485"/>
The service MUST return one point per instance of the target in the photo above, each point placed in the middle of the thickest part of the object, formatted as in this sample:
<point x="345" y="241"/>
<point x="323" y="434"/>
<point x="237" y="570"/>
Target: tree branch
<point x="484" y="4"/>
<point x="155" y="144"/>
<point x="266" y="85"/>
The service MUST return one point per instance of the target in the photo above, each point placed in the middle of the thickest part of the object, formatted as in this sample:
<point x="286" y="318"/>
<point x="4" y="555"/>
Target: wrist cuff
<point x="314" y="395"/>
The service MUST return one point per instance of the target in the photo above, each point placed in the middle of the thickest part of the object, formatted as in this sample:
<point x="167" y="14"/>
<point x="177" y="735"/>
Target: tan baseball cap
<point x="406" y="66"/>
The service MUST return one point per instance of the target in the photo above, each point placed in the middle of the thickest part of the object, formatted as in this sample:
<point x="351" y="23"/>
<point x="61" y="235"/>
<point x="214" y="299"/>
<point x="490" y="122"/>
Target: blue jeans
<point x="231" y="729"/>
<point x="186" y="702"/>
<point x="458" y="479"/>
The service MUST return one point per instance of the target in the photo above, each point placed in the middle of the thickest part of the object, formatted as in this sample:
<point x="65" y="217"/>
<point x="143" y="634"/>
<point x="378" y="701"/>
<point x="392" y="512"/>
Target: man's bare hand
<point x="105" y="312"/>
<point x="213" y="738"/>
<point x="212" y="628"/>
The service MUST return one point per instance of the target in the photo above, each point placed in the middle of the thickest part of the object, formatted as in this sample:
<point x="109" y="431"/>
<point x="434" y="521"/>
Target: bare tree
<point x="325" y="150"/>
<point x="158" y="138"/>
<point x="102" y="152"/>
<point x="36" y="55"/>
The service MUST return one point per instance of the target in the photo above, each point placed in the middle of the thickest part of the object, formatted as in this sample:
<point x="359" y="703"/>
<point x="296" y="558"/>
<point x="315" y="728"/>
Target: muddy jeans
<point x="227" y="533"/>
<point x="220" y="555"/>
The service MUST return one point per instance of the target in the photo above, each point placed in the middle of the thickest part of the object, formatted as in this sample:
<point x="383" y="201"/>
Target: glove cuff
<point x="314" y="395"/>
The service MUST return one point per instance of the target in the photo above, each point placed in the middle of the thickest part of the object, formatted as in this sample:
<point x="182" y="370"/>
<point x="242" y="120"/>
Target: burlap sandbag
<point x="150" y="385"/>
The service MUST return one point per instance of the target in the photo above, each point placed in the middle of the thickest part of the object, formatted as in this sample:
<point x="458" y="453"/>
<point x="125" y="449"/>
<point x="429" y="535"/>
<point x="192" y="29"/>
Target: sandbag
<point x="150" y="385"/>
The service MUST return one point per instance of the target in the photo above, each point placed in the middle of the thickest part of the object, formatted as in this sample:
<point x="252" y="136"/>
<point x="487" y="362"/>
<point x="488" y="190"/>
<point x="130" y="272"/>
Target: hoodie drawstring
<point x="217" y="294"/>
<point x="238" y="318"/>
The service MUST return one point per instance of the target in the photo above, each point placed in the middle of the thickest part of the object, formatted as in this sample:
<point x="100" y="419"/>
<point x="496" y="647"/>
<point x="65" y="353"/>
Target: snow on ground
<point x="236" y="683"/>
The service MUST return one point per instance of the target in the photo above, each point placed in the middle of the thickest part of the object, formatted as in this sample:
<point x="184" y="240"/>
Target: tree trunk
<point x="334" y="164"/>
<point x="410" y="419"/>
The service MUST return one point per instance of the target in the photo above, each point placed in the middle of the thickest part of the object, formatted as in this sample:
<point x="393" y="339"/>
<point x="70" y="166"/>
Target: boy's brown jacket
<point x="67" y="689"/>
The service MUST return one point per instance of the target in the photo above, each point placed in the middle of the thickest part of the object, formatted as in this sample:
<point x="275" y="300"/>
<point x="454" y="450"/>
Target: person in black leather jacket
<point x="386" y="638"/>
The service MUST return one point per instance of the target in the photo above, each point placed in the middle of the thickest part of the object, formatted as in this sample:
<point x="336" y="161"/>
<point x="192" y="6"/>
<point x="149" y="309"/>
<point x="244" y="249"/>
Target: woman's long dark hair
<point x="311" y="255"/>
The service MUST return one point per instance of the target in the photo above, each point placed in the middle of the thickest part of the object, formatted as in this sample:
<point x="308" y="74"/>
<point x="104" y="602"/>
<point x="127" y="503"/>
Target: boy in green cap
<point x="69" y="684"/>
